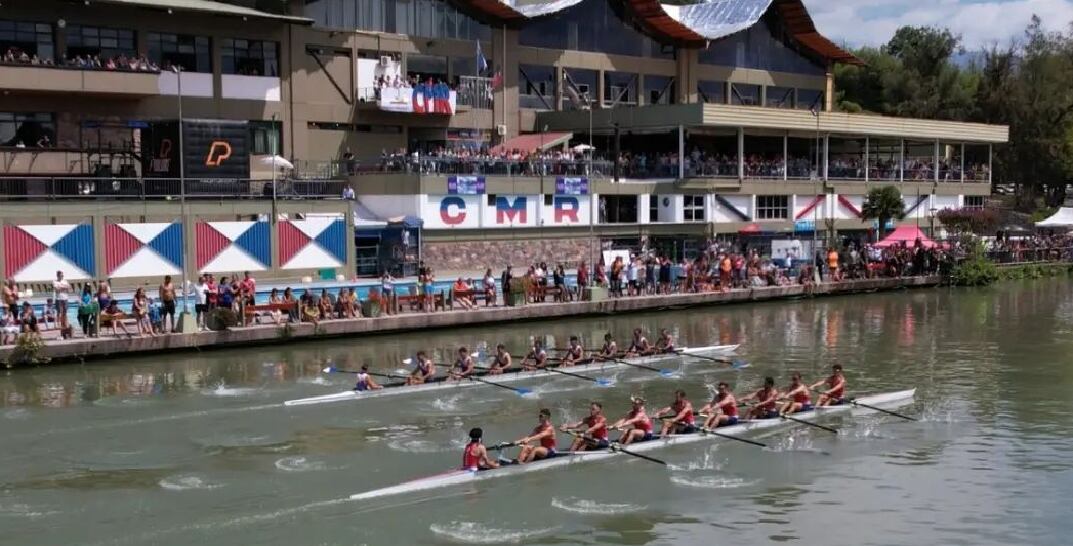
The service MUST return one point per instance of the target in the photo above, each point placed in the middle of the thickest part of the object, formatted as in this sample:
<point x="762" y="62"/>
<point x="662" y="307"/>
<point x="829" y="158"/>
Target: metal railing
<point x="85" y="188"/>
<point x="474" y="92"/>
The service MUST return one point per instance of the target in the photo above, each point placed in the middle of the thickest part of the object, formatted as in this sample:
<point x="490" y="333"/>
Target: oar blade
<point x="604" y="382"/>
<point x="522" y="391"/>
<point x="329" y="369"/>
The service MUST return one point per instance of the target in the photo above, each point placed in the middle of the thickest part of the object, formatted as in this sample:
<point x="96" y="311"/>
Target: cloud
<point x="980" y="22"/>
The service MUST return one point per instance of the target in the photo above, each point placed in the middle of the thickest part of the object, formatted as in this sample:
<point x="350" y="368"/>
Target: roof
<point x="908" y="235"/>
<point x="1062" y="218"/>
<point x="535" y="141"/>
<point x="208" y="6"/>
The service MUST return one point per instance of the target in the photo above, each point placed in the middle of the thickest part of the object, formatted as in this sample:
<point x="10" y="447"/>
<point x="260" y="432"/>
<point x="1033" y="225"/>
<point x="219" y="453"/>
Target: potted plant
<point x="373" y="304"/>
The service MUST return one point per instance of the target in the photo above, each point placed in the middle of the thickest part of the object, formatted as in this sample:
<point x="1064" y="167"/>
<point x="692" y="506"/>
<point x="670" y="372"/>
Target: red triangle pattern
<point x="291" y="241"/>
<point x="119" y="246"/>
<point x="20" y="248"/>
<point x="210" y="243"/>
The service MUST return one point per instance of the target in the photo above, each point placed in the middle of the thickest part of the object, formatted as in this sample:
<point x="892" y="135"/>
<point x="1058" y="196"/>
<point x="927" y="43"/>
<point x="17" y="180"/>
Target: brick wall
<point x="477" y="255"/>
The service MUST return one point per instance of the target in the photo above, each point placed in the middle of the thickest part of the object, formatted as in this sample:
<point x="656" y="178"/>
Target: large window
<point x="653" y="208"/>
<point x="250" y="57"/>
<point x="424" y="18"/>
<point x="27" y="129"/>
<point x="712" y="92"/>
<point x="693" y="208"/>
<point x="659" y="90"/>
<point x="745" y="94"/>
<point x="620" y="88"/>
<point x="772" y="207"/>
<point x="536" y="87"/>
<point x="191" y="53"/>
<point x="106" y="43"/>
<point x="974" y="201"/>
<point x="758" y="47"/>
<point x="33" y="39"/>
<point x="780" y="97"/>
<point x="591" y="26"/>
<point x="618" y="209"/>
<point x="579" y="88"/>
<point x="265" y="138"/>
<point x="810" y="99"/>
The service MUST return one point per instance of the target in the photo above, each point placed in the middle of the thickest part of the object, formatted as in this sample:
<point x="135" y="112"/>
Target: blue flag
<point x="482" y="63"/>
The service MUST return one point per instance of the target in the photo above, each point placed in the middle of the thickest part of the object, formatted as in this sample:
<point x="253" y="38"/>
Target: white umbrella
<point x="277" y="161"/>
<point x="582" y="148"/>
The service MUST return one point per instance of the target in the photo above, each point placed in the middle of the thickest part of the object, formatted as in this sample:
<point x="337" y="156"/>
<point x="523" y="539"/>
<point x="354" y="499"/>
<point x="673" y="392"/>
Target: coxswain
<point x="665" y="344"/>
<point x="722" y="411"/>
<point x="798" y="397"/>
<point x="574" y="352"/>
<point x="610" y="348"/>
<point x="680" y="416"/>
<point x="635" y="426"/>
<point x="463" y="366"/>
<point x="536" y="358"/>
<point x="501" y="361"/>
<point x="592" y="429"/>
<point x="836" y="388"/>
<point x="424" y="370"/>
<point x="640" y="345"/>
<point x="365" y="382"/>
<point x="475" y="455"/>
<point x="766" y="399"/>
<point x="543" y="435"/>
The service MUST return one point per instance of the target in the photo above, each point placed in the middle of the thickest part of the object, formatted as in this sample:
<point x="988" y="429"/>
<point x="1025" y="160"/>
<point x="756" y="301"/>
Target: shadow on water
<point x="87" y="480"/>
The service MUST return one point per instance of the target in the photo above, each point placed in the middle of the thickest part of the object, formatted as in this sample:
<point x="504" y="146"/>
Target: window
<point x="618" y="209"/>
<point x="974" y="201"/>
<point x="772" y="207"/>
<point x="536" y="86"/>
<point x="250" y="57"/>
<point x="619" y="88"/>
<point x="712" y="92"/>
<point x="424" y="18"/>
<point x="106" y="43"/>
<point x="659" y="90"/>
<point x="265" y="138"/>
<point x="191" y="53"/>
<point x="590" y="26"/>
<point x="693" y="208"/>
<point x="579" y="88"/>
<point x="810" y="99"/>
<point x="744" y="94"/>
<point x="653" y="208"/>
<point x="29" y="129"/>
<point x="29" y="38"/>
<point x="780" y="97"/>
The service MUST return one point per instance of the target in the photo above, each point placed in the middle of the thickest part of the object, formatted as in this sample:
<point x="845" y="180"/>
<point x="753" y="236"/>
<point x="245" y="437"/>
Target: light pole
<point x="275" y="154"/>
<point x="815" y="209"/>
<point x="184" y="317"/>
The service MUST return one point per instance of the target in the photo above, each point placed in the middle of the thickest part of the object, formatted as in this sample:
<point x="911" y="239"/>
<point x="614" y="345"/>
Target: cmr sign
<point x="505" y="211"/>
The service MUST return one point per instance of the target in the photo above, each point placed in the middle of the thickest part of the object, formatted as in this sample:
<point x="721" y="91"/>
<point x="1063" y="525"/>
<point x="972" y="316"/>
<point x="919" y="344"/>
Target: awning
<point x="534" y="142"/>
<point x="1062" y="218"/>
<point x="908" y="235"/>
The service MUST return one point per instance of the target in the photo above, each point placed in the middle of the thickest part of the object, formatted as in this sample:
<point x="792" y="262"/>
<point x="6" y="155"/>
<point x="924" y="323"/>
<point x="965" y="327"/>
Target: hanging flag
<point x="482" y="63"/>
<point x="497" y="80"/>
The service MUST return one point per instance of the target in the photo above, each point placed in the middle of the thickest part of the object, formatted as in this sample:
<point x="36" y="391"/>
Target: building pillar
<point x="786" y="156"/>
<point x="935" y="175"/>
<point x="829" y="89"/>
<point x="101" y="266"/>
<point x="962" y="163"/>
<point x="560" y="84"/>
<point x="681" y="152"/>
<point x="866" y="153"/>
<point x="505" y="105"/>
<point x="741" y="153"/>
<point x="901" y="161"/>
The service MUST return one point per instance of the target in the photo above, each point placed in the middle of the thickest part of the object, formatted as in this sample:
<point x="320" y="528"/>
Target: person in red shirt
<point x="680" y="416"/>
<point x="544" y="435"/>
<point x="593" y="430"/>
<point x="836" y="388"/>
<point x="475" y="455"/>
<point x="212" y="290"/>
<point x="249" y="286"/>
<point x="797" y="395"/>
<point x="766" y="401"/>
<point x="635" y="426"/>
<point x="723" y="409"/>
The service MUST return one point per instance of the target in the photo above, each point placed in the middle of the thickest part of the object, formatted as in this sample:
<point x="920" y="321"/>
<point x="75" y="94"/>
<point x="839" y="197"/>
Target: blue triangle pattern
<point x="169" y="244"/>
<point x="333" y="240"/>
<point x="77" y="246"/>
<point x="257" y="242"/>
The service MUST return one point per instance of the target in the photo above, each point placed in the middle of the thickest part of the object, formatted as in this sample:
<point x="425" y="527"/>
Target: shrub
<point x="27" y="351"/>
<point x="221" y="319"/>
<point x="976" y="269"/>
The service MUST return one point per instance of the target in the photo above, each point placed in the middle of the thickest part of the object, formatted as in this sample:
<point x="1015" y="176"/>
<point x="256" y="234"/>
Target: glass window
<point x="424" y="18"/>
<point x="191" y="53"/>
<point x="653" y="208"/>
<point x="249" y="57"/>
<point x="579" y="88"/>
<point x="693" y="208"/>
<point x="426" y="67"/>
<point x="103" y="42"/>
<point x="810" y="99"/>
<point x="536" y="86"/>
<point x="659" y="90"/>
<point x="974" y="201"/>
<point x="265" y="137"/>
<point x="618" y="209"/>
<point x="620" y="88"/>
<point x="33" y="39"/>
<point x="712" y="92"/>
<point x="29" y="129"/>
<point x="591" y="26"/>
<point x="780" y="97"/>
<point x="758" y="47"/>
<point x="744" y="94"/>
<point x="772" y="207"/>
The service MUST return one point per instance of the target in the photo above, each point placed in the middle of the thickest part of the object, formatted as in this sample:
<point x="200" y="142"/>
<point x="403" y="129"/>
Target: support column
<point x="560" y="84"/>
<point x="867" y="151"/>
<point x="962" y="163"/>
<point x="681" y="152"/>
<point x="786" y="156"/>
<point x="936" y="168"/>
<point x="989" y="160"/>
<point x="741" y="153"/>
<point x="505" y="105"/>
<point x="829" y="89"/>
<point x="901" y="160"/>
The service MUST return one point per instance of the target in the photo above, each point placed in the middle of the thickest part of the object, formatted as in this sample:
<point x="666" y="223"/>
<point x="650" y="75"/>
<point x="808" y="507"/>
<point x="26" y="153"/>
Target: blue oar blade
<point x="522" y="391"/>
<point x="667" y="373"/>
<point x="604" y="382"/>
<point x="740" y="364"/>
<point x="330" y="369"/>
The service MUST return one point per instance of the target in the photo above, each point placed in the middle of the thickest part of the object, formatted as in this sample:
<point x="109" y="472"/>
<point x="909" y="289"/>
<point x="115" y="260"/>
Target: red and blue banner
<point x="34" y="253"/>
<point x="571" y="186"/>
<point x="233" y="247"/>
<point x="143" y="250"/>
<point x="313" y="243"/>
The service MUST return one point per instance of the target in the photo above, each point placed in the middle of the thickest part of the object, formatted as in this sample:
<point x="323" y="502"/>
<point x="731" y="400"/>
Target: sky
<point x="981" y="23"/>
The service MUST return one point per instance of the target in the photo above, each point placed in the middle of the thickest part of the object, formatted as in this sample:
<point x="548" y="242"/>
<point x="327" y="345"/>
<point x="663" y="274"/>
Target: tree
<point x="883" y="204"/>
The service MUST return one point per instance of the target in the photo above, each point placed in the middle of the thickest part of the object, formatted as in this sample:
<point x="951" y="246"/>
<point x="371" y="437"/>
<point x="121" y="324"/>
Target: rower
<point x="683" y="421"/>
<point x="544" y="435"/>
<point x="475" y="455"/>
<point x="536" y="358"/>
<point x="723" y="409"/>
<point x="574" y="353"/>
<point x="836" y="388"/>
<point x="640" y="345"/>
<point x="610" y="348"/>
<point x="798" y="396"/>
<point x="365" y="382"/>
<point x="501" y="362"/>
<point x="665" y="344"/>
<point x="593" y="430"/>
<point x="463" y="367"/>
<point x="635" y="426"/>
<point x="424" y="370"/>
<point x="766" y="398"/>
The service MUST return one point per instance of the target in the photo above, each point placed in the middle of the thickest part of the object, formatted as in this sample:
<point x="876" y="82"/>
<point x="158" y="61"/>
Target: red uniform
<point x="644" y="424"/>
<point x="730" y="410"/>
<point x="601" y="432"/>
<point x="677" y="407"/>
<point x="547" y="442"/>
<point x="802" y="397"/>
<point x="470" y="459"/>
<point x="838" y="393"/>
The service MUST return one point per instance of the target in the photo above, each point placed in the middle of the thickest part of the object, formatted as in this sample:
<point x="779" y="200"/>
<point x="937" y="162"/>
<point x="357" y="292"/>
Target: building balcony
<point x="50" y="79"/>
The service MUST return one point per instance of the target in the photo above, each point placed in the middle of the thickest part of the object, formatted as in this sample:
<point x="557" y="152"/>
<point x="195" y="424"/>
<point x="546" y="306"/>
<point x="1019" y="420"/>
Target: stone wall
<point x="478" y="255"/>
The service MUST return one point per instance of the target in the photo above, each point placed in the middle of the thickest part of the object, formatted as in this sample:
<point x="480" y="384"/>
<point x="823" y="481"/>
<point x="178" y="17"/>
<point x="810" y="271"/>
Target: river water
<point x="197" y="448"/>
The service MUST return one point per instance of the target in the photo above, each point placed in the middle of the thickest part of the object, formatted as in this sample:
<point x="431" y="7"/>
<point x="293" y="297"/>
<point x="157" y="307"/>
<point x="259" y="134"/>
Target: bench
<point x="415" y="301"/>
<point x="557" y="293"/>
<point x="473" y="295"/>
<point x="255" y="311"/>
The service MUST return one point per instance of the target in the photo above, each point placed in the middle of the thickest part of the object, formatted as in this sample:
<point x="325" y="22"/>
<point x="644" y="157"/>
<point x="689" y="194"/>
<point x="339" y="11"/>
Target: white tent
<point x="1062" y="218"/>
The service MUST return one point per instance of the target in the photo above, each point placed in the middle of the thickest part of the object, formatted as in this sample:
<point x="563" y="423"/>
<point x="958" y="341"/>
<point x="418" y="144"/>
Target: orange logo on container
<point x="219" y="151"/>
<point x="162" y="162"/>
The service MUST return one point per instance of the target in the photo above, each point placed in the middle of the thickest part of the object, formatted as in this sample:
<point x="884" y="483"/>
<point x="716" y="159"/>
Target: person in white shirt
<point x="61" y="290"/>
<point x="631" y="277"/>
<point x="201" y="307"/>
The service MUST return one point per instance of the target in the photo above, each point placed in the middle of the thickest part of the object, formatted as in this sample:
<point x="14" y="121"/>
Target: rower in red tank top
<point x="544" y="434"/>
<point x="800" y="398"/>
<point x="836" y="388"/>
<point x="723" y="409"/>
<point x="475" y="456"/>
<point x="636" y="426"/>
<point x="592" y="429"/>
<point x="680" y="416"/>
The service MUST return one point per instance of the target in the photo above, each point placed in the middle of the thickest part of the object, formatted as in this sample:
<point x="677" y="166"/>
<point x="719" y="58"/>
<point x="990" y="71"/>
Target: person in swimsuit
<point x="610" y="348"/>
<point x="536" y="358"/>
<point x="365" y="382"/>
<point x="424" y="370"/>
<point x="722" y="410"/>
<point x="501" y="362"/>
<point x="640" y="345"/>
<point x="836" y="388"/>
<point x="593" y="430"/>
<point x="797" y="395"/>
<point x="475" y="455"/>
<point x="463" y="367"/>
<point x="681" y="411"/>
<point x="665" y="344"/>
<point x="766" y="399"/>
<point x="635" y="426"/>
<point x="544" y="435"/>
<point x="574" y="353"/>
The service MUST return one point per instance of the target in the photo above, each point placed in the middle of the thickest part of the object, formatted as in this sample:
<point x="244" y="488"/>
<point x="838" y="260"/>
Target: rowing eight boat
<point x="459" y="477"/>
<point x="510" y="376"/>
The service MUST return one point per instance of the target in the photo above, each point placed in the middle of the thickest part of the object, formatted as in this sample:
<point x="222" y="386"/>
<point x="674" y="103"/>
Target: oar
<point x="663" y="372"/>
<point x="888" y="412"/>
<point x="616" y="447"/>
<point x="735" y="363"/>
<point x="333" y="369"/>
<point x="502" y="445"/>
<point x="519" y="390"/>
<point x="598" y="380"/>
<point x="811" y="424"/>
<point x="729" y="437"/>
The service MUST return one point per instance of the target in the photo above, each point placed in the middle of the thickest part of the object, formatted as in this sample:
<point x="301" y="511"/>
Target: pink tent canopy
<point x="908" y="235"/>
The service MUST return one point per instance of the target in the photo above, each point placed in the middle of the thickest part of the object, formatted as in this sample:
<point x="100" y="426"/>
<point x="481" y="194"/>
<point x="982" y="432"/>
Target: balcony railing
<point x="88" y="188"/>
<point x="475" y="92"/>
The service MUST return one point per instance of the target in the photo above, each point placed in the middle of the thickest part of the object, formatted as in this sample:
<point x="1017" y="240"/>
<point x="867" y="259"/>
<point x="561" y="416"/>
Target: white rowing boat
<point x="459" y="477"/>
<point x="513" y="376"/>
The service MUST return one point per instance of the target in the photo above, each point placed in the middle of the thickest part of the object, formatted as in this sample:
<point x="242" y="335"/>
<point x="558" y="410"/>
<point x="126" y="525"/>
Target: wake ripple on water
<point x="24" y="511"/>
<point x="711" y="482"/>
<point x="224" y="390"/>
<point x="467" y="532"/>
<point x="300" y="464"/>
<point x="426" y="446"/>
<point x="591" y="507"/>
<point x="17" y="413"/>
<point x="186" y="483"/>
<point x="316" y="380"/>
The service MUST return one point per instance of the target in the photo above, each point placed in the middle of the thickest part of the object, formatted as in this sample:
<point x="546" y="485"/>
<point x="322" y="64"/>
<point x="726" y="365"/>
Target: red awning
<point x="908" y="235"/>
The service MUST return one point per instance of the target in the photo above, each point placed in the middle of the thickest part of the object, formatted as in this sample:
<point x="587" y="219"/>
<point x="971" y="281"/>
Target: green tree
<point x="883" y="204"/>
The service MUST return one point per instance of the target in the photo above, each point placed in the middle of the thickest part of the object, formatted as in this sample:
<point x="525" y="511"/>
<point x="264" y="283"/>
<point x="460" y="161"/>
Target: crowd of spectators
<point x="129" y="63"/>
<point x="14" y="55"/>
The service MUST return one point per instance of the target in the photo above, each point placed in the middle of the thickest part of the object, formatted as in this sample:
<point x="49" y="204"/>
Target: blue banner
<point x="571" y="186"/>
<point x="465" y="185"/>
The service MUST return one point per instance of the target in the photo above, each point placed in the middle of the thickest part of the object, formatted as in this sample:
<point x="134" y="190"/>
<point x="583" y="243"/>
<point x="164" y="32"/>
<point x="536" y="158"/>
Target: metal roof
<point x="208" y="6"/>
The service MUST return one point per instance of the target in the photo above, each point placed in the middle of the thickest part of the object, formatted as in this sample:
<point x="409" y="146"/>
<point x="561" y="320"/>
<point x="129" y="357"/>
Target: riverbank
<point x="81" y="349"/>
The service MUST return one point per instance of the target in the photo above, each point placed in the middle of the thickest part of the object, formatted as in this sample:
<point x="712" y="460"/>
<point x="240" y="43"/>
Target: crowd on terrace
<point x="128" y="63"/>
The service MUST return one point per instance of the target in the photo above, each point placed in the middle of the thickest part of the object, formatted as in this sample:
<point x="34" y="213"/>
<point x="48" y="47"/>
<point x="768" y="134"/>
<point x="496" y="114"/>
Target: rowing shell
<point x="508" y="377"/>
<point x="459" y="477"/>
